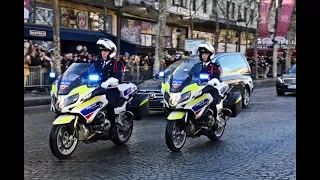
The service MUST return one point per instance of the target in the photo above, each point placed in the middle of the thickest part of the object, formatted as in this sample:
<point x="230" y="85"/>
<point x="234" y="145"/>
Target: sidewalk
<point x="35" y="99"/>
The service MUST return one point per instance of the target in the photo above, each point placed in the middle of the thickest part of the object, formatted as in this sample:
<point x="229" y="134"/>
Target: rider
<point x="107" y="68"/>
<point x="206" y="54"/>
<point x="105" y="64"/>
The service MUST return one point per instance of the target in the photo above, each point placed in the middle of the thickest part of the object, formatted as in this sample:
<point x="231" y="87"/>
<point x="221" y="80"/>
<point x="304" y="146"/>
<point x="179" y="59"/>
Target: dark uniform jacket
<point x="212" y="69"/>
<point x="112" y="69"/>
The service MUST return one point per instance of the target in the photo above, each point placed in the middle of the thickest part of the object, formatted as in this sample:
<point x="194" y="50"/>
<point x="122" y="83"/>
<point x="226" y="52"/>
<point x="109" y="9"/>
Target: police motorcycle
<point x="80" y="104"/>
<point x="187" y="97"/>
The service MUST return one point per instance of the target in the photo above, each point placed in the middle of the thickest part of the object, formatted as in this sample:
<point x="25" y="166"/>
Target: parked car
<point x="152" y="88"/>
<point x="287" y="82"/>
<point x="235" y="71"/>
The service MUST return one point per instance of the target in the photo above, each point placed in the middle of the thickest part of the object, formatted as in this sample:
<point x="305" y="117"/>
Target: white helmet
<point x="107" y="44"/>
<point x="206" y="48"/>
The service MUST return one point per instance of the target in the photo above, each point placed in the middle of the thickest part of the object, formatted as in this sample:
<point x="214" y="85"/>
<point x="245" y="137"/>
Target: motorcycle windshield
<point x="76" y="75"/>
<point x="185" y="74"/>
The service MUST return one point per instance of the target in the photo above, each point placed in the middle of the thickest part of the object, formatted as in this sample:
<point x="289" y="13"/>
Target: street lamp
<point x="118" y="4"/>
<point x="178" y="38"/>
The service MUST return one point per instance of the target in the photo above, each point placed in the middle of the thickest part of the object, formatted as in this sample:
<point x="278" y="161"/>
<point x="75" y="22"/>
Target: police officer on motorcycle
<point x="206" y="54"/>
<point x="107" y="67"/>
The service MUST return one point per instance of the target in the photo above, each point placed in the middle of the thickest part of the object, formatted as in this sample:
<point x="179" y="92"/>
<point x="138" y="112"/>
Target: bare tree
<point x="291" y="35"/>
<point x="193" y="13"/>
<point x="253" y="15"/>
<point x="224" y="7"/>
<point x="162" y="20"/>
<point x="255" y="50"/>
<point x="56" y="36"/>
<point x="215" y="11"/>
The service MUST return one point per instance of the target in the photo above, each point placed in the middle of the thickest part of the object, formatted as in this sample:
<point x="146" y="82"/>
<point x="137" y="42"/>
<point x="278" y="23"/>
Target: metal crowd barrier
<point x="38" y="77"/>
<point x="137" y="74"/>
<point x="262" y="70"/>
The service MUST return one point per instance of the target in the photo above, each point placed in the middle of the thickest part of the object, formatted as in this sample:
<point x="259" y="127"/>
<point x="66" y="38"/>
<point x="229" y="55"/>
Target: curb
<point x="47" y="100"/>
<point x="264" y="82"/>
<point x="37" y="102"/>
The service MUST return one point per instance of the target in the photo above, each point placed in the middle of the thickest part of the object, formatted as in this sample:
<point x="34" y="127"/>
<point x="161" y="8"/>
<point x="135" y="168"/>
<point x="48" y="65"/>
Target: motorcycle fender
<point x="176" y="115"/>
<point x="64" y="119"/>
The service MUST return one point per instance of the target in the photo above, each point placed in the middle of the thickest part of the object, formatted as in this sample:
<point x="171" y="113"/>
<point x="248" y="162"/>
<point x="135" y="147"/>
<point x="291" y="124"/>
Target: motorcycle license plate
<point x="292" y="87"/>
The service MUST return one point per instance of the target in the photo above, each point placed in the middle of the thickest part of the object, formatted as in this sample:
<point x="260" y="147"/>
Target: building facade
<point x="139" y="18"/>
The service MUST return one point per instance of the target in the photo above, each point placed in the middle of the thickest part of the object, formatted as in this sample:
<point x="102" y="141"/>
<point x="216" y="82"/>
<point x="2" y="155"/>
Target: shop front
<point x="78" y="27"/>
<point x="143" y="33"/>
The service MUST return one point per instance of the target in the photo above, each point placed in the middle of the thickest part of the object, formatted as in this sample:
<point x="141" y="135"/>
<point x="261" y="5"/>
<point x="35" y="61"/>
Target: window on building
<point x="194" y="5"/>
<point x="239" y="12"/>
<point x="233" y="9"/>
<point x="252" y="15"/>
<point x="204" y="6"/>
<point x="245" y="14"/>
<point x="182" y="3"/>
<point x="176" y="3"/>
<point x="214" y="2"/>
<point x="228" y="9"/>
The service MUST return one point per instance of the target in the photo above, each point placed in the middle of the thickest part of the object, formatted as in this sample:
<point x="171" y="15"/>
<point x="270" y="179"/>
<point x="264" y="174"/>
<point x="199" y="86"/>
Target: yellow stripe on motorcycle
<point x="82" y="90"/>
<point x="176" y="115"/>
<point x="54" y="89"/>
<point x="144" y="101"/>
<point x="165" y="86"/>
<point x="87" y="103"/>
<point x="192" y="87"/>
<point x="64" y="119"/>
<point x="238" y="99"/>
<point x="199" y="99"/>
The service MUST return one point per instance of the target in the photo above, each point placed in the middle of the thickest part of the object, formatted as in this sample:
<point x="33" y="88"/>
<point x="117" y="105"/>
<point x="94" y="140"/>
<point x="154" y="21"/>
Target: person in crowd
<point x="27" y="61"/>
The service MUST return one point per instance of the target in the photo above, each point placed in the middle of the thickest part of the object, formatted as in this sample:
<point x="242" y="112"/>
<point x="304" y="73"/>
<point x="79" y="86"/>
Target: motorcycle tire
<point x="116" y="139"/>
<point x="213" y="136"/>
<point x="55" y="138"/>
<point x="171" y="125"/>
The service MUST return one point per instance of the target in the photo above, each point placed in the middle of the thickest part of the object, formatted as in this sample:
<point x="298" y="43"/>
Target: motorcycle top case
<point x="234" y="103"/>
<point x="139" y="106"/>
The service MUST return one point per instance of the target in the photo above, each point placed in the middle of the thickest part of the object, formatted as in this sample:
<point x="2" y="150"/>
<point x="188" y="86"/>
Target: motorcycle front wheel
<point x="175" y="135"/>
<point x="63" y="141"/>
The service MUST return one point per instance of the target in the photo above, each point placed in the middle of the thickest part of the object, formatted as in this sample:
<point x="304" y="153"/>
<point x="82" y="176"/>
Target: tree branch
<point x="223" y="12"/>
<point x="191" y="2"/>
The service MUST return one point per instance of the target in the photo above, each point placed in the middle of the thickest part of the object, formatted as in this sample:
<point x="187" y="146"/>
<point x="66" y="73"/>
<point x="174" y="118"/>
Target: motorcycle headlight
<point x="68" y="100"/>
<point x="185" y="96"/>
<point x="174" y="98"/>
<point x="280" y="80"/>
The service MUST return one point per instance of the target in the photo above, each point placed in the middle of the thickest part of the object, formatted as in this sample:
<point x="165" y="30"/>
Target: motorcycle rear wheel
<point x="175" y="135"/>
<point x="121" y="137"/>
<point x="62" y="142"/>
<point x="216" y="134"/>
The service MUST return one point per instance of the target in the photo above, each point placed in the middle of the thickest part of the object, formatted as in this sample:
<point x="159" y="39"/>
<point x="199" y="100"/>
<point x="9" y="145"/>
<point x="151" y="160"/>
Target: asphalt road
<point x="258" y="144"/>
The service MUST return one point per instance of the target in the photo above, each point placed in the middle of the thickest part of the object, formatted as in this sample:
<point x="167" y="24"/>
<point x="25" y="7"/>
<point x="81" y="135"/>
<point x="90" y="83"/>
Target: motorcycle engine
<point x="101" y="124"/>
<point x="208" y="119"/>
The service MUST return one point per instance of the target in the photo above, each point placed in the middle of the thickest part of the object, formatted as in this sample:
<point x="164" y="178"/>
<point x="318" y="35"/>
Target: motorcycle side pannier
<point x="234" y="103"/>
<point x="139" y="106"/>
